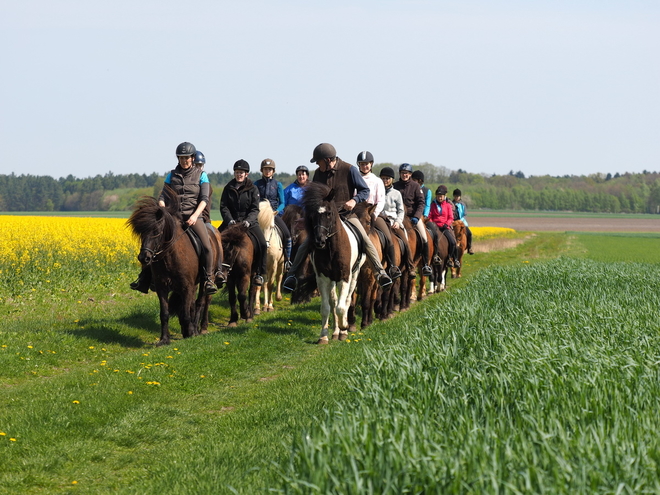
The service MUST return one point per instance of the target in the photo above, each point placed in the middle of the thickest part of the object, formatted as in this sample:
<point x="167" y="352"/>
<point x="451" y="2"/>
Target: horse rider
<point x="418" y="176"/>
<point x="442" y="214"/>
<point x="293" y="193"/>
<point x="365" y="162"/>
<point x="349" y="189"/>
<point x="239" y="203"/>
<point x="394" y="212"/>
<point x="271" y="190"/>
<point x="414" y="203"/>
<point x="461" y="212"/>
<point x="191" y="184"/>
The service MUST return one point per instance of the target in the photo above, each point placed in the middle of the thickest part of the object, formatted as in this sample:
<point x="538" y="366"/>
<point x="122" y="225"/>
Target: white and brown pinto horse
<point x="335" y="258"/>
<point x="274" y="259"/>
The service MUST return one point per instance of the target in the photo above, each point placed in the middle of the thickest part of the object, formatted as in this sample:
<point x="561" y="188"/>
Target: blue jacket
<point x="293" y="194"/>
<point x="271" y="190"/>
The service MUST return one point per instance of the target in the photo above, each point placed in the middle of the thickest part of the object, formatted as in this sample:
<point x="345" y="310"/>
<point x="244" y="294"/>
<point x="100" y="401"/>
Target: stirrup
<point x="437" y="260"/>
<point x="395" y="272"/>
<point x="427" y="270"/>
<point x="287" y="265"/>
<point x="450" y="263"/>
<point x="258" y="280"/>
<point x="290" y="283"/>
<point x="470" y="251"/>
<point x="209" y="287"/>
<point x="457" y="264"/>
<point x="384" y="279"/>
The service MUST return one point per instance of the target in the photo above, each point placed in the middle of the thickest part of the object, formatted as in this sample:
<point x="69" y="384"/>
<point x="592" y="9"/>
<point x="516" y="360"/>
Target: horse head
<point x="321" y="215"/>
<point x="365" y="213"/>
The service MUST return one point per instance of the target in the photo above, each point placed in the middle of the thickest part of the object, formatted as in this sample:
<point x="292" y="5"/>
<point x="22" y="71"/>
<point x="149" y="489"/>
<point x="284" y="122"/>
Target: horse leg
<point x="242" y="288"/>
<point x="164" y="318"/>
<point x="233" y="318"/>
<point x="257" y="300"/>
<point x="187" y="316"/>
<point x="203" y="317"/>
<point x="323" y="284"/>
<point x="278" y="281"/>
<point x="351" y="313"/>
<point x="338" y="311"/>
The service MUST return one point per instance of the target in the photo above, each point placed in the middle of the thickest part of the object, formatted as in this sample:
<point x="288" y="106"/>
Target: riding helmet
<point x="199" y="159"/>
<point x="185" y="149"/>
<point x="267" y="163"/>
<point x="322" y="151"/>
<point x="387" y="172"/>
<point x="441" y="190"/>
<point x="365" y="156"/>
<point x="418" y="175"/>
<point x="457" y="192"/>
<point x="302" y="168"/>
<point x="405" y="167"/>
<point x="242" y="165"/>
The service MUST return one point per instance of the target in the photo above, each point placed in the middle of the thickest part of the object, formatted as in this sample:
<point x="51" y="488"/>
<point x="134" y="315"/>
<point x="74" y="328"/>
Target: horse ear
<point x="371" y="208"/>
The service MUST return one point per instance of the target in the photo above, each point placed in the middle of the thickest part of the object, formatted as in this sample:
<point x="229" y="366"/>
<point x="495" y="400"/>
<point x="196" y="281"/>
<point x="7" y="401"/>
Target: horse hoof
<point x="249" y="320"/>
<point x="352" y="328"/>
<point x="270" y="309"/>
<point x="343" y="336"/>
<point x="335" y="337"/>
<point x="232" y="324"/>
<point x="204" y="332"/>
<point x="278" y="298"/>
<point x="323" y="341"/>
<point x="257" y="312"/>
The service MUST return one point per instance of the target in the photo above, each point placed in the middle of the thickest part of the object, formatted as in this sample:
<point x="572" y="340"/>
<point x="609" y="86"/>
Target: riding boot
<point x="394" y="270"/>
<point x="426" y="269"/>
<point x="143" y="281"/>
<point x="209" y="286"/>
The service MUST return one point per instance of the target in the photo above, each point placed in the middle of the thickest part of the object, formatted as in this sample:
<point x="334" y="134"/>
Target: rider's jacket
<point x="239" y="202"/>
<point x="461" y="211"/>
<point x="293" y="194"/>
<point x="412" y="197"/>
<point x="271" y="190"/>
<point x="191" y="186"/>
<point x="442" y="214"/>
<point x="345" y="180"/>
<point x="393" y="208"/>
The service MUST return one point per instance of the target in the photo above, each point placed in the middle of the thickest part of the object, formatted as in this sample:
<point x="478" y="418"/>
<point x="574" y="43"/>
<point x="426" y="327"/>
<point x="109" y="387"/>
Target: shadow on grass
<point x="107" y="335"/>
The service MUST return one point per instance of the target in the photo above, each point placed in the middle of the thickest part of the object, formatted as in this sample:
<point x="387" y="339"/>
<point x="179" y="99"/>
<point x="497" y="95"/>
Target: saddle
<point x="195" y="241"/>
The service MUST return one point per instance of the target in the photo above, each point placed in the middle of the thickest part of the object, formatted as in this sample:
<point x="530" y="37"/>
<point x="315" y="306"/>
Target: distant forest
<point x="606" y="193"/>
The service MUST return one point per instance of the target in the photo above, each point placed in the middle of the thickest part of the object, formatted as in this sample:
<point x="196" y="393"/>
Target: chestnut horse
<point x="334" y="255"/>
<point x="240" y="262"/>
<point x="168" y="251"/>
<point x="274" y="259"/>
<point x="461" y="246"/>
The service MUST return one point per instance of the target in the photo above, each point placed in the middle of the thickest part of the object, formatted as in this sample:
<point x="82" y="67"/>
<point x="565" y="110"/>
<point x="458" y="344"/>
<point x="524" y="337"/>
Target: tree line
<point x="607" y="193"/>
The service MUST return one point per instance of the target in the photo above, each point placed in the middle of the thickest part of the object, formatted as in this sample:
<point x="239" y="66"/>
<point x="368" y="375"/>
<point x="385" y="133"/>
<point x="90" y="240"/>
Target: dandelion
<point x="226" y="343"/>
<point x="130" y="392"/>
<point x="76" y="402"/>
<point x="202" y="376"/>
<point x="74" y="482"/>
<point x="2" y="434"/>
<point x="30" y="347"/>
<point x="91" y="347"/>
<point x="12" y="439"/>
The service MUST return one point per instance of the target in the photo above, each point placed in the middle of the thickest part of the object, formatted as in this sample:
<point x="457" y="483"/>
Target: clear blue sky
<point x="546" y="87"/>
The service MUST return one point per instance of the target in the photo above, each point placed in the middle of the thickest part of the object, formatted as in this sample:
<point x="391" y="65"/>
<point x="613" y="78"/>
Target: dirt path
<point x="568" y="224"/>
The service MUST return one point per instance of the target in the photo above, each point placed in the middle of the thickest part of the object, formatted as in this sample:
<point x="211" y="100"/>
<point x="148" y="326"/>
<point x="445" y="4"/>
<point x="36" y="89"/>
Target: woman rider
<point x="271" y="190"/>
<point x="442" y="214"/>
<point x="293" y="193"/>
<point x="239" y="203"/>
<point x="191" y="184"/>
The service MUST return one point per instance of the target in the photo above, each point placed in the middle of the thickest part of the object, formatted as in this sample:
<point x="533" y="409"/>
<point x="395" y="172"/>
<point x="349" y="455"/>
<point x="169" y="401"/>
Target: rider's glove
<point x="414" y="220"/>
<point x="246" y="224"/>
<point x="232" y="222"/>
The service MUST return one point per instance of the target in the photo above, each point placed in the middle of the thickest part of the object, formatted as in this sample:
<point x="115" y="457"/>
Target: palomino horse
<point x="461" y="246"/>
<point x="335" y="258"/>
<point x="274" y="259"/>
<point x="240" y="261"/>
<point x="168" y="251"/>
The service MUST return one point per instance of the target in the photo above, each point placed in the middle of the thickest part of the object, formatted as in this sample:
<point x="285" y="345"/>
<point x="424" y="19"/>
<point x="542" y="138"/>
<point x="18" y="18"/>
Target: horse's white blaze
<point x="322" y="209"/>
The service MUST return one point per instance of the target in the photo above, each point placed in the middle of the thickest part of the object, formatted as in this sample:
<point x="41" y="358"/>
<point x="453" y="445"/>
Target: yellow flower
<point x="76" y="402"/>
<point x="2" y="434"/>
<point x="130" y="392"/>
<point x="12" y="439"/>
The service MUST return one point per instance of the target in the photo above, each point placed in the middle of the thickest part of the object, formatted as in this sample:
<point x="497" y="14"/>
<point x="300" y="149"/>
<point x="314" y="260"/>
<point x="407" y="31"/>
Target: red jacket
<point x="441" y="214"/>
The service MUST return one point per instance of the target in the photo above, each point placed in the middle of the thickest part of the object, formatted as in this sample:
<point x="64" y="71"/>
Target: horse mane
<point x="266" y="217"/>
<point x="292" y="213"/>
<point x="149" y="217"/>
<point x="459" y="228"/>
<point x="316" y="196"/>
<point x="234" y="235"/>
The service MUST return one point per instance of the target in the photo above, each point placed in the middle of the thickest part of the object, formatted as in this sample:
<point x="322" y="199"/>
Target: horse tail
<point x="175" y="304"/>
<point x="266" y="216"/>
<point x="304" y="290"/>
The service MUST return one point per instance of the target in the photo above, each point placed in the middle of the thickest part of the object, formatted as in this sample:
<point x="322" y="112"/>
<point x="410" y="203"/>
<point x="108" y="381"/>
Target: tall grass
<point x="540" y="378"/>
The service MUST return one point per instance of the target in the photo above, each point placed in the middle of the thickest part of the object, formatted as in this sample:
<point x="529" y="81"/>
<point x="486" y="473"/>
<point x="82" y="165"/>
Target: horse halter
<point x="162" y="247"/>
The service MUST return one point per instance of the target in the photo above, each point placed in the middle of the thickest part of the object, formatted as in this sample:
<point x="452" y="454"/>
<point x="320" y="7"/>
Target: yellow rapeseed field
<point x="490" y="232"/>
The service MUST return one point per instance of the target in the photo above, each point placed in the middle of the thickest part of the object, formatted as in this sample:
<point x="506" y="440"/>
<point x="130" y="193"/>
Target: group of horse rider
<point x="351" y="185"/>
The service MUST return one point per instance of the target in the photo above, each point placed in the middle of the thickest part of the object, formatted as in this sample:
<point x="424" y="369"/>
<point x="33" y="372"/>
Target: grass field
<point x="531" y="373"/>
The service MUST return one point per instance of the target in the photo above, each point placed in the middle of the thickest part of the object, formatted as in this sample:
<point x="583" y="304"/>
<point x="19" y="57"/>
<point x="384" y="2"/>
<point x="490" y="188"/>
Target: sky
<point x="544" y="87"/>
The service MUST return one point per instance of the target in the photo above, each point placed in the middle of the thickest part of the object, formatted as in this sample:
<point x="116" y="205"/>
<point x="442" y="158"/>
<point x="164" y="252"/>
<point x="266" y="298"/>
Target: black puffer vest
<point x="186" y="185"/>
<point x="339" y="180"/>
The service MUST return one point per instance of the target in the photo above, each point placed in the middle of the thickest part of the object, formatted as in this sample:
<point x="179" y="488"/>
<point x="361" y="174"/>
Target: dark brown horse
<point x="335" y="258"/>
<point x="461" y="246"/>
<point x="168" y="251"/>
<point x="241" y="265"/>
<point x="293" y="218"/>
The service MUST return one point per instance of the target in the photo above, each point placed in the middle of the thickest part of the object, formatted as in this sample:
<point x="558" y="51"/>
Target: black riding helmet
<point x="242" y="165"/>
<point x="441" y="190"/>
<point x="365" y="156"/>
<point x="457" y="192"/>
<point x="387" y="172"/>
<point x="418" y="175"/>
<point x="302" y="168"/>
<point x="405" y="167"/>
<point x="185" y="149"/>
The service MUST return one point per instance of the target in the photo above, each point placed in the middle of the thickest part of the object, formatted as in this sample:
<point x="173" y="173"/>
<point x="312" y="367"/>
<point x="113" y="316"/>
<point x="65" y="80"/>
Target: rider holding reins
<point x="349" y="189"/>
<point x="191" y="184"/>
